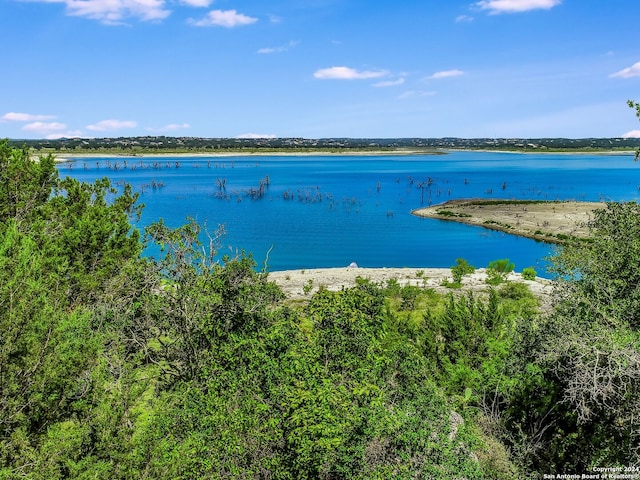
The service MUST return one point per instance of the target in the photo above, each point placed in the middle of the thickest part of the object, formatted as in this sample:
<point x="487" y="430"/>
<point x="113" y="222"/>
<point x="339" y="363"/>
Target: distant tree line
<point x="196" y="144"/>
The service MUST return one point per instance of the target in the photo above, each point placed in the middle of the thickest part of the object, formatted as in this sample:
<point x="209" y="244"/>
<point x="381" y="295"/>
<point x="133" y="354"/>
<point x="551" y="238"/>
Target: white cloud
<point x="446" y="74"/>
<point x="257" y="135"/>
<point x="224" y="18"/>
<point x="346" y="73"/>
<point x="280" y="49"/>
<point x="515" y="6"/>
<point x="24" y="117"/>
<point x="113" y="12"/>
<point x="44" y="128"/>
<point x="632" y="134"/>
<point x="196" y="3"/>
<point x="106" y="125"/>
<point x="389" y="83"/>
<point x="266" y="50"/>
<point x="464" y="19"/>
<point x="172" y="127"/>
<point x="632" y="71"/>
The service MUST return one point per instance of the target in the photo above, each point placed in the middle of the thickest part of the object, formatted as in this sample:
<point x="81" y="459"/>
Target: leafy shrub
<point x="392" y="288"/>
<point x="502" y="266"/>
<point x="450" y="284"/>
<point x="462" y="268"/>
<point x="409" y="295"/>
<point x="529" y="273"/>
<point x="514" y="291"/>
<point x="449" y="213"/>
<point x="307" y="287"/>
<point x="459" y="270"/>
<point x="498" y="270"/>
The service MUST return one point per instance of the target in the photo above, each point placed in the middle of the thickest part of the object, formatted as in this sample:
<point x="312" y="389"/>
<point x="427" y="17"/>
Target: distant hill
<point x="198" y="144"/>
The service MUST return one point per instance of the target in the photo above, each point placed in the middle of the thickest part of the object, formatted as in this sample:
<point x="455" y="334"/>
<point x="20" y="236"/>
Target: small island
<point x="549" y="221"/>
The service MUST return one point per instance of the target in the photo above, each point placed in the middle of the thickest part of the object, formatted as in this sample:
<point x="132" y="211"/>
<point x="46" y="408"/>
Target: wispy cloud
<point x="196" y="3"/>
<point x="389" y="83"/>
<point x="37" y="124"/>
<point x="632" y="134"/>
<point x="114" y="12"/>
<point x="516" y="6"/>
<point x="44" y="128"/>
<point x="346" y="73"/>
<point x="51" y="130"/>
<point x="108" y="125"/>
<point x="446" y="74"/>
<point x="224" y="18"/>
<point x="257" y="135"/>
<point x="25" y="117"/>
<point x="280" y="49"/>
<point x="632" y="71"/>
<point x="172" y="127"/>
<point x="464" y="19"/>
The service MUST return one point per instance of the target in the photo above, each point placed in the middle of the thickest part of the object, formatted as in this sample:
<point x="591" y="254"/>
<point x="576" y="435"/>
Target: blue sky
<point x="319" y="68"/>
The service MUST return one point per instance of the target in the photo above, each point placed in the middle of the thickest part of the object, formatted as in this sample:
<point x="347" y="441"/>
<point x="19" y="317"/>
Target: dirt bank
<point x="554" y="222"/>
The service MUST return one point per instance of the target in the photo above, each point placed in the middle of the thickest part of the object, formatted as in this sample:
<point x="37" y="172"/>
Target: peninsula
<point x="548" y="221"/>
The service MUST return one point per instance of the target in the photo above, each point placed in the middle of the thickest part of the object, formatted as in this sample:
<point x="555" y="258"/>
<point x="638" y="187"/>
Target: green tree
<point x="600" y="279"/>
<point x="204" y="300"/>
<point x="580" y="407"/>
<point x="46" y="351"/>
<point x="62" y="241"/>
<point x="498" y="270"/>
<point x="25" y="182"/>
<point x="87" y="228"/>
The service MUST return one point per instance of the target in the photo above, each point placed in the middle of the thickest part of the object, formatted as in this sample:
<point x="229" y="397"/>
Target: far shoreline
<point x="68" y="157"/>
<point x="64" y="157"/>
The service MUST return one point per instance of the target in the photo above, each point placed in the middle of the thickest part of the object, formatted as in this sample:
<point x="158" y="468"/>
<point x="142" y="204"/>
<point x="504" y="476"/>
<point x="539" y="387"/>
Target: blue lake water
<point x="329" y="211"/>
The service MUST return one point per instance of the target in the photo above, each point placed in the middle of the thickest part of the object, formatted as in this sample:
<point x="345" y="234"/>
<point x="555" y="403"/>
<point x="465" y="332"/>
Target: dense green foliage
<point x="164" y="144"/>
<point x="117" y="366"/>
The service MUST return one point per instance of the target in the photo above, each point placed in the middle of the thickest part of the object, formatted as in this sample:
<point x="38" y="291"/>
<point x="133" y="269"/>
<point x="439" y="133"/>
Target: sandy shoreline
<point x="553" y="152"/>
<point x="302" y="284"/>
<point x="69" y="157"/>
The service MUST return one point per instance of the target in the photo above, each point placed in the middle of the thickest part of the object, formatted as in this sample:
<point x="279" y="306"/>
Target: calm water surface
<point x="329" y="211"/>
